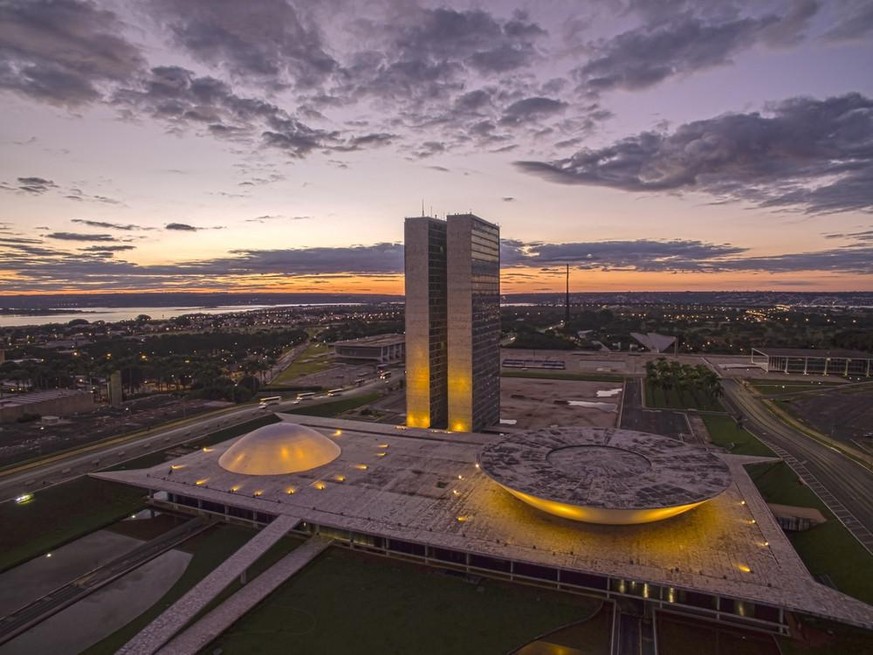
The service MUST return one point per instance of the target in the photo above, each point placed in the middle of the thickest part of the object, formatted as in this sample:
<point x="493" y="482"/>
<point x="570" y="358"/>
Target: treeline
<point x="671" y="376"/>
<point x="213" y="365"/>
<point x="358" y="328"/>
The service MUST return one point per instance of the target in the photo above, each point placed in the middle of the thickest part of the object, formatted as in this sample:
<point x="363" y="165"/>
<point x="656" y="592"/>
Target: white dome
<point x="279" y="448"/>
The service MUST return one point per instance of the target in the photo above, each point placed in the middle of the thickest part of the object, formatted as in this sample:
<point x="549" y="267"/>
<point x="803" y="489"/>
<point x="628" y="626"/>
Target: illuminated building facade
<point x="474" y="323"/>
<point x="452" y="322"/>
<point x="426" y="324"/>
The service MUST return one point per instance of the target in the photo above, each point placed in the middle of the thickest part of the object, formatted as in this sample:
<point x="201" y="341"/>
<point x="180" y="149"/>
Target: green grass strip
<point x="346" y="602"/>
<point x="336" y="407"/>
<point x="827" y="549"/>
<point x="312" y="360"/>
<point x="724" y="432"/>
<point x="61" y="514"/>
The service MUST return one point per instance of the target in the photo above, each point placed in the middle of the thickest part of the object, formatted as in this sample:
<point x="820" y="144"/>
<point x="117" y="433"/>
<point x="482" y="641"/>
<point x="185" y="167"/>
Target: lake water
<point x="114" y="314"/>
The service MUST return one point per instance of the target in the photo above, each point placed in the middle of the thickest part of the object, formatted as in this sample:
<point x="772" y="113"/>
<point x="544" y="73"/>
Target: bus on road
<point x="269" y="400"/>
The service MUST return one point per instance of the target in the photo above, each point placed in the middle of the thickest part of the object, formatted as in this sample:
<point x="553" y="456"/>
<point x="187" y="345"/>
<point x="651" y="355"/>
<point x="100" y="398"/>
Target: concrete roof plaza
<point x="423" y="486"/>
<point x="531" y="403"/>
<point x="585" y="362"/>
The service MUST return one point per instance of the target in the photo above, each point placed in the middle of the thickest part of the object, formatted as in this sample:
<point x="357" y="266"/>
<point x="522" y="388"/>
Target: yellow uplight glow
<point x="318" y="484"/>
<point x="360" y="467"/>
<point x="417" y="420"/>
<point x="291" y="490"/>
<point x="744" y="568"/>
<point x="200" y="483"/>
<point x="600" y="515"/>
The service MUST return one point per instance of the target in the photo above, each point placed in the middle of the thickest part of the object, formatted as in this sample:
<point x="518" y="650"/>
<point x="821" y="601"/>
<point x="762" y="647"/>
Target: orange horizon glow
<point x="513" y="281"/>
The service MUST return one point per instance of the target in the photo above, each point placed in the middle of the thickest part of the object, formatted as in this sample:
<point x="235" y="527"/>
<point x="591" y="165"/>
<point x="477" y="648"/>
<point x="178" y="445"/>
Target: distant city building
<point x="452" y="322"/>
<point x="380" y="349"/>
<point x="654" y="342"/>
<point x="114" y="389"/>
<point x="57" y="402"/>
<point x="846" y="363"/>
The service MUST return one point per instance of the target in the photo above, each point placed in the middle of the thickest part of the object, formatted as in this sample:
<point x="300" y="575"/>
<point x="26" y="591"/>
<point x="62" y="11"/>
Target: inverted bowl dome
<point x="279" y="448"/>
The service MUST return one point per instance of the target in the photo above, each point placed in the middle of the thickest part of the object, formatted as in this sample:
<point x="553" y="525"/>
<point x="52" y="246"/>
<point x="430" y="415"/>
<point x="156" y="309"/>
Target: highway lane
<point x="843" y="484"/>
<point x="62" y="467"/>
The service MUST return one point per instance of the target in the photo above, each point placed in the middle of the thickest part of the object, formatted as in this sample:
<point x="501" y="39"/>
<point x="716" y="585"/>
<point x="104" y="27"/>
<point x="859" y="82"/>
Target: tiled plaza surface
<point x="423" y="486"/>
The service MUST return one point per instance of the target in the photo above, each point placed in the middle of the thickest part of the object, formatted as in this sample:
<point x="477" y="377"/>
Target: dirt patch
<point x="537" y="403"/>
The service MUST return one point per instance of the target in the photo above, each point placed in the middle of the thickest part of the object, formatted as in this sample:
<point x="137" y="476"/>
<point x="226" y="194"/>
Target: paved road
<point x="843" y="484"/>
<point x="62" y="467"/>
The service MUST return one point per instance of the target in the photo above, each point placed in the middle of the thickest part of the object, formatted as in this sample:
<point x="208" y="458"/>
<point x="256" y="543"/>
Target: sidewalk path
<point x="195" y="638"/>
<point x="174" y="618"/>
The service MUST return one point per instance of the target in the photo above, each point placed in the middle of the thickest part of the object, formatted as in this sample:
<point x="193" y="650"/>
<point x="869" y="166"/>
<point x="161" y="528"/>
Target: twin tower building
<point x="452" y="323"/>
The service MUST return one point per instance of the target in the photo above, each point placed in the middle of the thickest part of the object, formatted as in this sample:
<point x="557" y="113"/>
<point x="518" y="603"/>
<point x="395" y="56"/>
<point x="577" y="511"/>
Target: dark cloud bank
<point x="42" y="267"/>
<point x="812" y="155"/>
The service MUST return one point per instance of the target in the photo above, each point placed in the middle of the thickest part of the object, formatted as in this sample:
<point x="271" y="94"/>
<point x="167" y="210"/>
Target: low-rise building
<point x="379" y="349"/>
<point x="57" y="402"/>
<point x="808" y="361"/>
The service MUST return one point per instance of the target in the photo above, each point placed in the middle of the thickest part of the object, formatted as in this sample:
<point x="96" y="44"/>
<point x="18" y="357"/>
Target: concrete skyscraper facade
<point x="426" y="325"/>
<point x="452" y="322"/>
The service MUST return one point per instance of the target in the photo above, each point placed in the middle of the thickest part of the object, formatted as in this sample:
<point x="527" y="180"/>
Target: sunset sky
<point x="233" y="145"/>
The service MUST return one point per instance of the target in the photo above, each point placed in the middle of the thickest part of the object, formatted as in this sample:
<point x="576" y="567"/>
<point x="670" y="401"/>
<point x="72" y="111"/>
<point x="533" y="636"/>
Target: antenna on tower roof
<point x="567" y="299"/>
<point x="422" y="207"/>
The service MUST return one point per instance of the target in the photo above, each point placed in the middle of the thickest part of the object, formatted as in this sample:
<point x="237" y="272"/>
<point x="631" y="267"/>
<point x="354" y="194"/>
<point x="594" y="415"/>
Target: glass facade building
<point x="452" y="322"/>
